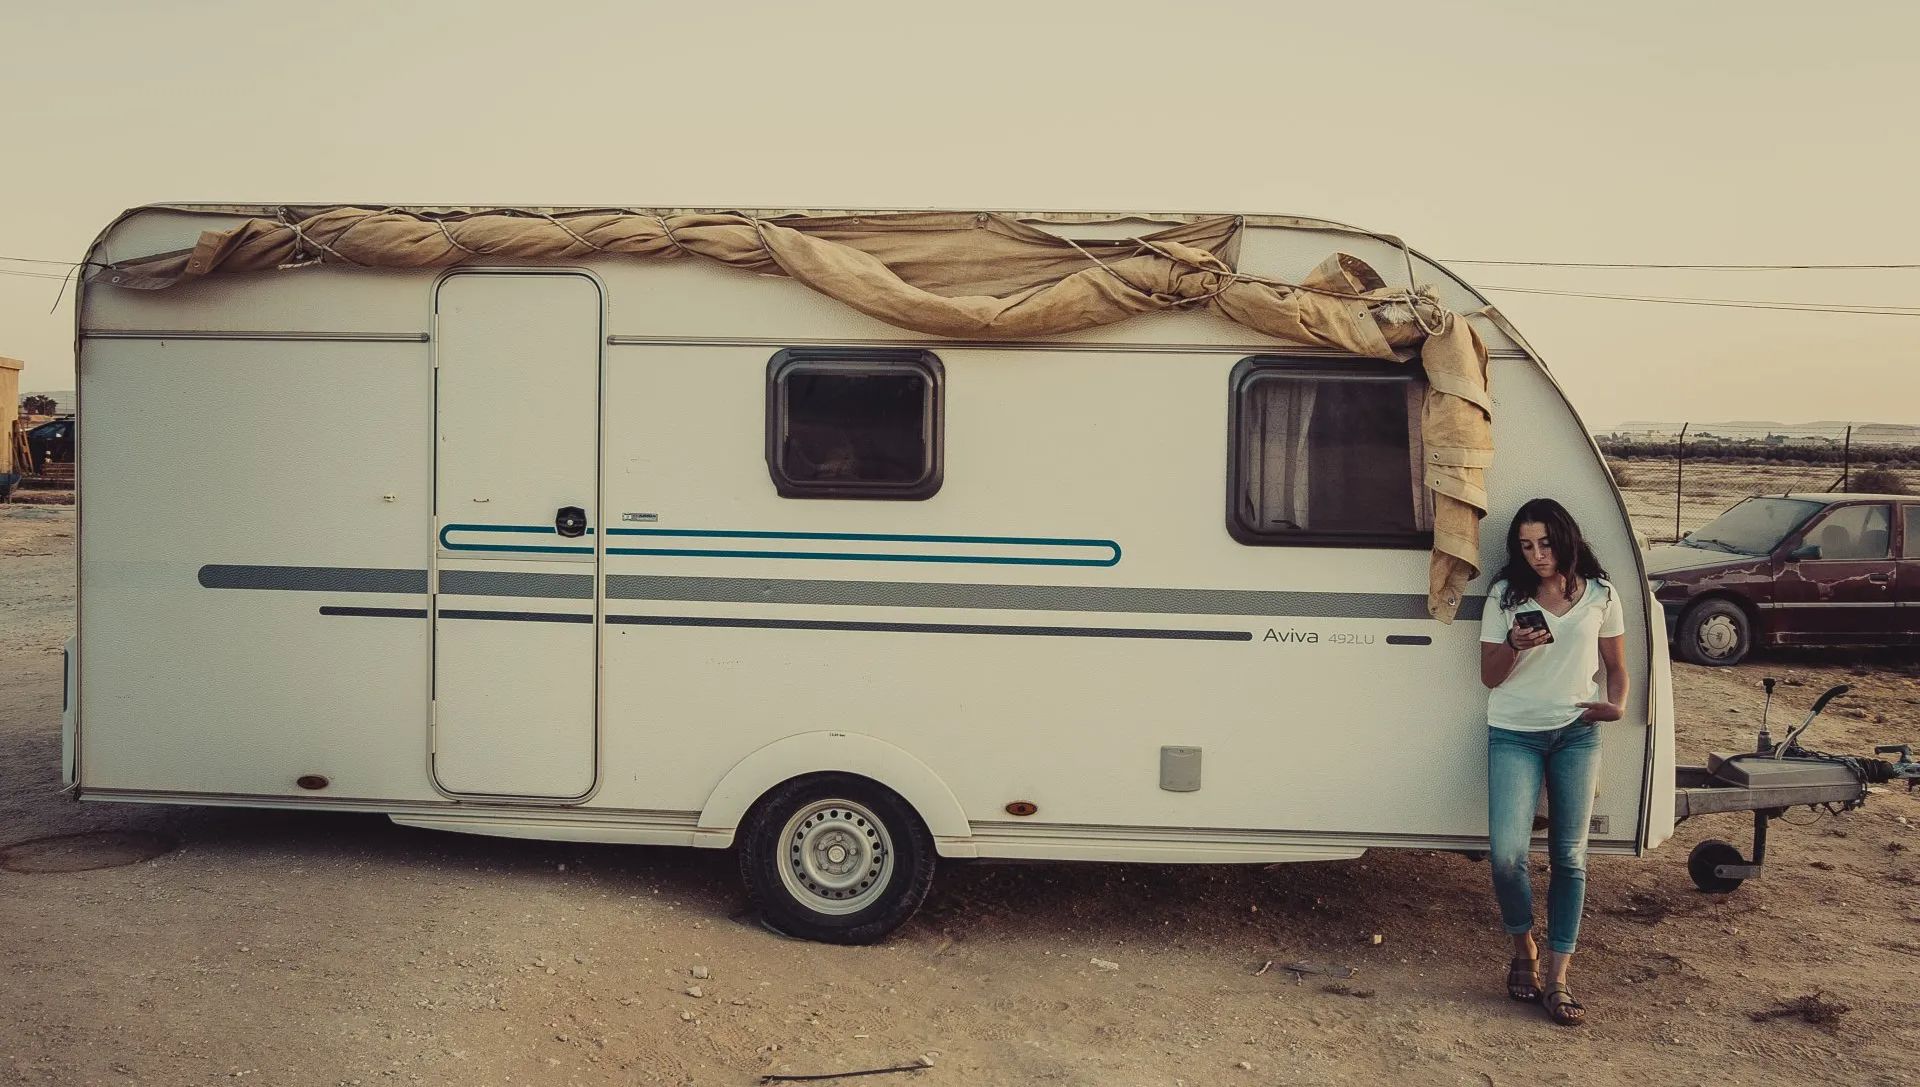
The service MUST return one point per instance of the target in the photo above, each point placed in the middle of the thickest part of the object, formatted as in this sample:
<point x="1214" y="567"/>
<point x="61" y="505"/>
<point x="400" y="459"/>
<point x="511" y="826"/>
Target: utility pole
<point x="1679" y="476"/>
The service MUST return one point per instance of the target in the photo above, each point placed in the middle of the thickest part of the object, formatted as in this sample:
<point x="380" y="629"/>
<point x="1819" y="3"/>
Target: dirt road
<point x="303" y="949"/>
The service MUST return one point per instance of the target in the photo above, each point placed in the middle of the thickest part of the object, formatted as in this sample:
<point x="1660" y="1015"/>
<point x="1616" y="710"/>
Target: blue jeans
<point x="1568" y="760"/>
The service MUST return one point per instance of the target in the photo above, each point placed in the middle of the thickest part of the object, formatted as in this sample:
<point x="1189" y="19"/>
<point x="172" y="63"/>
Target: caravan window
<point x="1327" y="452"/>
<point x="854" y="424"/>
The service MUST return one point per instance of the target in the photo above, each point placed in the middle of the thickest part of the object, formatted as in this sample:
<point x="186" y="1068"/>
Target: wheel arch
<point x="807" y="753"/>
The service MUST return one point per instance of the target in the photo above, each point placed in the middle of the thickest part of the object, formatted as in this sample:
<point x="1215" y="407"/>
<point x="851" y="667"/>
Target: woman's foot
<point x="1562" y="1008"/>
<point x="1523" y="979"/>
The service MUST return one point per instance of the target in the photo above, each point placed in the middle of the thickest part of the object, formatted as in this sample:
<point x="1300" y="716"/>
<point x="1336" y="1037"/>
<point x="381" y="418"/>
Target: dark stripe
<point x="377" y="613"/>
<point x="1409" y="639"/>
<point x="1089" y="598"/>
<point x="314" y="579"/>
<point x="515" y="616"/>
<point x="931" y="628"/>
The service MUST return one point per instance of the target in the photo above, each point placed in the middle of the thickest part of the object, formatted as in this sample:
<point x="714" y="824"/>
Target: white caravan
<point x="592" y="553"/>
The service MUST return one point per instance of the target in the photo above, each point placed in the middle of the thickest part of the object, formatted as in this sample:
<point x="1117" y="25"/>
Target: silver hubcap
<point x="837" y="857"/>
<point x="1719" y="636"/>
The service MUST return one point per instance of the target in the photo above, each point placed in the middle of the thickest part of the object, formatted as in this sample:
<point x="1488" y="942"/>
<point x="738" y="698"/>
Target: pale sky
<point x="1754" y="132"/>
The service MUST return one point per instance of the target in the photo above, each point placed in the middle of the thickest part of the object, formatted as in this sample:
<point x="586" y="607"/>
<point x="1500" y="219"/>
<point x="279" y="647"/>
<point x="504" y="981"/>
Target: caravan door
<point x="517" y="555"/>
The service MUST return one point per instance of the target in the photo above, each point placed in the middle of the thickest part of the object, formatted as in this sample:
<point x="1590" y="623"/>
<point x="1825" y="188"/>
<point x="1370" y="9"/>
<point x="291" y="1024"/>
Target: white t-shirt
<point x="1548" y="683"/>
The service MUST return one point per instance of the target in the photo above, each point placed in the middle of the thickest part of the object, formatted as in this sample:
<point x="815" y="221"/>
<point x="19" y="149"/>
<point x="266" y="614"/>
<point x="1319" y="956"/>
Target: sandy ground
<point x="321" y="949"/>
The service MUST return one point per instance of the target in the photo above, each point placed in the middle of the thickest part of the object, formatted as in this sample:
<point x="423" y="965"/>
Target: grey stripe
<point x="544" y="586"/>
<point x="931" y="628"/>
<point x="1085" y="598"/>
<point x="347" y="579"/>
<point x="314" y="579"/>
<point x="376" y="613"/>
<point x="880" y="594"/>
<point x="278" y="337"/>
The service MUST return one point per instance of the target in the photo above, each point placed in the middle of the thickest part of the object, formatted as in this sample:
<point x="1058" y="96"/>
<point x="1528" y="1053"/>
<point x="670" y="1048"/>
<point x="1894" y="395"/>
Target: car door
<point x="1906" y="579"/>
<point x="1836" y="586"/>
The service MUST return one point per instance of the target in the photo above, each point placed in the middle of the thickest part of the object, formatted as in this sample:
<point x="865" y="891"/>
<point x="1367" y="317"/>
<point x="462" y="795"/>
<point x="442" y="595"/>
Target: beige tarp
<point x="963" y="275"/>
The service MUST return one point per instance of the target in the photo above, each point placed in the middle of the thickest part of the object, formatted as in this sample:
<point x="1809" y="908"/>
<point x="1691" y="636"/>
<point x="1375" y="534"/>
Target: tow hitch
<point x="1771" y="779"/>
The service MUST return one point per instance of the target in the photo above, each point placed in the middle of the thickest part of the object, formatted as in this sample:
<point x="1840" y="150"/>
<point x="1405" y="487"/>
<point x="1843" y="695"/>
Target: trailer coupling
<point x="1771" y="779"/>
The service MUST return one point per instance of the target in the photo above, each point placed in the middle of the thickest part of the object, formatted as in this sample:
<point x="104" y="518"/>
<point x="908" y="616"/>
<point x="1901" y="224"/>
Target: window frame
<point x="1250" y="370"/>
<point x="924" y="364"/>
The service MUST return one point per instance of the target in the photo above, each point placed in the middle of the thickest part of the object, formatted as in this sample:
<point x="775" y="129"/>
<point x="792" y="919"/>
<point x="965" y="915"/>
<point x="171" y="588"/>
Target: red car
<point x="1793" y="569"/>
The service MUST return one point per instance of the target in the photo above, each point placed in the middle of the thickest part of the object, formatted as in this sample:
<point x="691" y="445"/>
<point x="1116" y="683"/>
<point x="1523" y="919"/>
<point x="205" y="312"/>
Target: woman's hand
<point x="1524" y="638"/>
<point x="1597" y="712"/>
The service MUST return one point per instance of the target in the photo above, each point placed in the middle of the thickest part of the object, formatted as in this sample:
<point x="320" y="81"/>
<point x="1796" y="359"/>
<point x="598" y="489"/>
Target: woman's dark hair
<point x="1570" y="550"/>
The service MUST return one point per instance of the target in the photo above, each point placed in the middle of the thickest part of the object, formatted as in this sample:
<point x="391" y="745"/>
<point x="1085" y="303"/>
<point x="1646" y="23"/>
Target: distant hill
<point x="1863" y="433"/>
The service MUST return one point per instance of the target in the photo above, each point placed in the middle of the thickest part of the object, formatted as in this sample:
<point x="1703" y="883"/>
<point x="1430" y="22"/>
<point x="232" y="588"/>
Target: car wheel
<point x="1715" y="632"/>
<point x="836" y="858"/>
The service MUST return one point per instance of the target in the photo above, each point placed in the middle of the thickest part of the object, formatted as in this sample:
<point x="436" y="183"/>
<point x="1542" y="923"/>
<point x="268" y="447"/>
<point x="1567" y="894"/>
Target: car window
<point x="1854" y="532"/>
<point x="1911" y="549"/>
<point x="1754" y="526"/>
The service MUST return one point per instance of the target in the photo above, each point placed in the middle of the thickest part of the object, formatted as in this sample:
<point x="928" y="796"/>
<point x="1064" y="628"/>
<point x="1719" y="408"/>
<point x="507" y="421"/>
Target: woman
<point x="1550" y="622"/>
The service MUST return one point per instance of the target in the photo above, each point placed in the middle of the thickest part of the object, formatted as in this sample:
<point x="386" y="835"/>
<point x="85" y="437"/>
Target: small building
<point x="9" y="411"/>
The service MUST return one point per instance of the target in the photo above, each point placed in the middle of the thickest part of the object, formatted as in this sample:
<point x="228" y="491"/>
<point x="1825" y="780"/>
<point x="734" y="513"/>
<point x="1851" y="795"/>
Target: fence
<point x="1678" y="477"/>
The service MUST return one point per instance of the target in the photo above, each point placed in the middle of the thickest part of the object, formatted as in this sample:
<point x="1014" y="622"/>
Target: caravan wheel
<point x="836" y="858"/>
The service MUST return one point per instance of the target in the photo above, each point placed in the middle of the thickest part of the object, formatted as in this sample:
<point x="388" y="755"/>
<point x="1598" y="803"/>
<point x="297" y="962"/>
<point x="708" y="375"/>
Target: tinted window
<point x="1754" y="527"/>
<point x="1326" y="453"/>
<point x="1911" y="549"/>
<point x="854" y="425"/>
<point x="1853" y="532"/>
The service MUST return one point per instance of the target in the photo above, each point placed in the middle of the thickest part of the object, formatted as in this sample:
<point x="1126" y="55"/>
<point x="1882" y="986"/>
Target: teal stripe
<point x="860" y="556"/>
<point x="518" y="548"/>
<point x="865" y="556"/>
<point x="1112" y="547"/>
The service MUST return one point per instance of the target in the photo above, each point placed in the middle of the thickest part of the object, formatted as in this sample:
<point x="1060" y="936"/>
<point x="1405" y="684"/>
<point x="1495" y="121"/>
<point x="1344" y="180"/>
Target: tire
<point x="836" y="858"/>
<point x="1716" y="633"/>
<point x="1709" y="855"/>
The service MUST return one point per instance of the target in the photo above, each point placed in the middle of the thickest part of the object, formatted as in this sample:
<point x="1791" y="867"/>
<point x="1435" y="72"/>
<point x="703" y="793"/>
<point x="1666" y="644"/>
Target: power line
<point x="1723" y="303"/>
<point x="36" y="260"/>
<point x="1693" y="267"/>
<point x="34" y="275"/>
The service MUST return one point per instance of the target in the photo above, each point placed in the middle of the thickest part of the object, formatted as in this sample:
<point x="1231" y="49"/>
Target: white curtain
<point x="1278" y="476"/>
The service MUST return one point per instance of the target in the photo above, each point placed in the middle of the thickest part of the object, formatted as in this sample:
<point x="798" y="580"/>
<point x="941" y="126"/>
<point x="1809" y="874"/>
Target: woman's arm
<point x="1613" y="654"/>
<point x="1496" y="663"/>
<point x="1498" y="658"/>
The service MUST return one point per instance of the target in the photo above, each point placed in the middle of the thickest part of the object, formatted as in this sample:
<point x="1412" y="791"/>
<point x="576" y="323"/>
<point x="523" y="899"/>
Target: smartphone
<point x="1532" y="620"/>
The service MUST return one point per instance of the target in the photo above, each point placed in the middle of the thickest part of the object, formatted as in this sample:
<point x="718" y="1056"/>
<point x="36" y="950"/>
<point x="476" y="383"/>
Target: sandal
<point x="1523" y="980"/>
<point x="1562" y="1008"/>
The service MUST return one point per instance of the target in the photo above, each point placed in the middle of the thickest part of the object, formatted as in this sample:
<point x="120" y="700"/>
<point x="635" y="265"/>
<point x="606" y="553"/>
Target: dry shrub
<point x="1877" y="481"/>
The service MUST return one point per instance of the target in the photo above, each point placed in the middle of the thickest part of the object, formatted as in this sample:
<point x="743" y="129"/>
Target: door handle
<point x="1880" y="579"/>
<point x="570" y="521"/>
